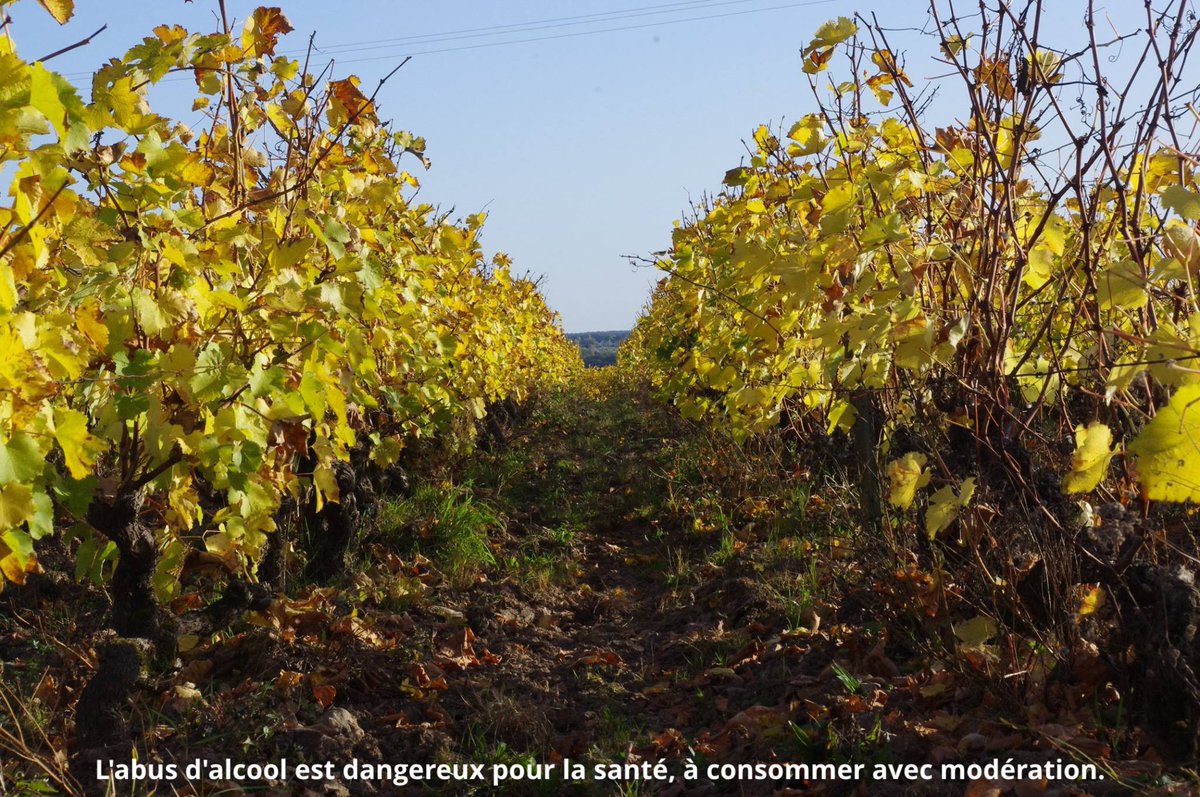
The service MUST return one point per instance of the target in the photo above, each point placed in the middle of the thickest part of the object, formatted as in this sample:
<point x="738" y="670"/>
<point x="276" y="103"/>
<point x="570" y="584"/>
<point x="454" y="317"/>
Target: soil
<point x="606" y="630"/>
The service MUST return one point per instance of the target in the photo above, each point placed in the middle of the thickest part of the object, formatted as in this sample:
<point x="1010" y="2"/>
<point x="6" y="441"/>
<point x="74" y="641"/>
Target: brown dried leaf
<point x="599" y="657"/>
<point x="428" y="676"/>
<point x="263" y="29"/>
<point x="349" y="103"/>
<point x="324" y="694"/>
<point x="995" y="77"/>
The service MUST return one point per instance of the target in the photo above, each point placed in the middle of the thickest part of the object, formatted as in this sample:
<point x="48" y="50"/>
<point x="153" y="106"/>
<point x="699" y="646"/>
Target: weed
<point x="447" y="523"/>
<point x="727" y="548"/>
<point x="849" y="682"/>
<point x="617" y="733"/>
<point x="679" y="569"/>
<point x="540" y="571"/>
<point x="565" y="533"/>
<point x="808" y="746"/>
<point x="36" y="767"/>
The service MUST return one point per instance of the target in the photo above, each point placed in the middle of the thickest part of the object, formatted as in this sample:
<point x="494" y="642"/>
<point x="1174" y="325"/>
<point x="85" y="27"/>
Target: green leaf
<point x="287" y="255"/>
<point x="215" y="374"/>
<point x="884" y="229"/>
<point x="263" y="382"/>
<point x="976" y="632"/>
<point x="313" y="393"/>
<point x="124" y="103"/>
<point x="84" y="556"/>
<point x="93" y="554"/>
<point x="21" y="460"/>
<point x="1168" y="451"/>
<point x="57" y="100"/>
<point x="1184" y="202"/>
<point x="43" y="95"/>
<point x="149" y="314"/>
<point x="42" y="522"/>
<point x="334" y="235"/>
<point x="75" y="495"/>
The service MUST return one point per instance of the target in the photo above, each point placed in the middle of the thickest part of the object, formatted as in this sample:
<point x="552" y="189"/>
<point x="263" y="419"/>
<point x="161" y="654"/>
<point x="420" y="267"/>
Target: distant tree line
<point x="599" y="348"/>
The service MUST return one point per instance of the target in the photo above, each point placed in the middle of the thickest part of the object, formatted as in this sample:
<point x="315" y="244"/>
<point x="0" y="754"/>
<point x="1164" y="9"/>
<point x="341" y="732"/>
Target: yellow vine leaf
<point x="1045" y="66"/>
<point x="1122" y="285"/>
<point x="1091" y="598"/>
<point x="840" y="197"/>
<point x="842" y="415"/>
<point x="993" y="74"/>
<point x="43" y="95"/>
<point x="61" y="10"/>
<point x="16" y="505"/>
<point x="16" y="557"/>
<point x="263" y="29"/>
<point x="326" y="485"/>
<point x="1184" y="202"/>
<point x="944" y="506"/>
<point x="79" y="447"/>
<point x="89" y="322"/>
<point x="1093" y="452"/>
<point x="907" y="475"/>
<point x="349" y="103"/>
<point x="1181" y="242"/>
<point x="8" y="288"/>
<point x="1168" y="449"/>
<point x="976" y="632"/>
<point x="807" y="133"/>
<point x="134" y="311"/>
<point x="828" y="36"/>
<point x="123" y="101"/>
<point x="833" y="32"/>
<point x="953" y="45"/>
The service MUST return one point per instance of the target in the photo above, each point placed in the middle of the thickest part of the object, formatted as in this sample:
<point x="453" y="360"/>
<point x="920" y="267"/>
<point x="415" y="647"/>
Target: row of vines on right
<point x="996" y="313"/>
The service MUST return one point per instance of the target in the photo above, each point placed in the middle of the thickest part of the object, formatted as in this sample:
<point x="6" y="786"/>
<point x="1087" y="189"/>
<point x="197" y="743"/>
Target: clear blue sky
<point x="580" y="148"/>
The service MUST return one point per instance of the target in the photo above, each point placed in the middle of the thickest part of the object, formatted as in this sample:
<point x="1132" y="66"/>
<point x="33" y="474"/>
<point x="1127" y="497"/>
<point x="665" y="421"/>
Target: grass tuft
<point x="447" y="523"/>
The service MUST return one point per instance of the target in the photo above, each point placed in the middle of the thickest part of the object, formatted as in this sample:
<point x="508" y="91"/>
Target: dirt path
<point x="612" y="630"/>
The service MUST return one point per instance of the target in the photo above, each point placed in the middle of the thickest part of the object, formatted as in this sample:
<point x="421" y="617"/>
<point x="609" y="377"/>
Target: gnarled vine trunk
<point x="135" y="610"/>
<point x="331" y="531"/>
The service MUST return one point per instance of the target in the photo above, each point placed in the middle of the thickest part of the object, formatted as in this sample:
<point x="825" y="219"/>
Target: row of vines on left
<point x="200" y="326"/>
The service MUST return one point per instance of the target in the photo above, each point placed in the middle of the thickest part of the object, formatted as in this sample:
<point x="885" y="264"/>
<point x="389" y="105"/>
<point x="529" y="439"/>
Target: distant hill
<point x="599" y="348"/>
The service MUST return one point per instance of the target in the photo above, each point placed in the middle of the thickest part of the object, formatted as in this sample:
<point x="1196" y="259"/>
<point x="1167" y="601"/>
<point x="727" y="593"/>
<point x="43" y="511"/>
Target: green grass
<point x="538" y="572"/>
<point x="850" y="683"/>
<point x="447" y="523"/>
